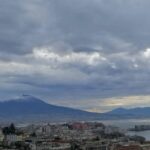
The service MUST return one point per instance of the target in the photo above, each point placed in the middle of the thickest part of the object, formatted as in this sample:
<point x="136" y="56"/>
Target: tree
<point x="9" y="130"/>
<point x="12" y="128"/>
<point x="33" y="134"/>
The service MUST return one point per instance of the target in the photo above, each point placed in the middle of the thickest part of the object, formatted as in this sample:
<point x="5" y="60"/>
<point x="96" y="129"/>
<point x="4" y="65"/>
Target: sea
<point x="130" y="123"/>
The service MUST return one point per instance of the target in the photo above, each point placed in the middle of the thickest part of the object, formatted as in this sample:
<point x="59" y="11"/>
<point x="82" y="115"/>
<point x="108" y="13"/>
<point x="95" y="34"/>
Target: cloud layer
<point x="74" y="51"/>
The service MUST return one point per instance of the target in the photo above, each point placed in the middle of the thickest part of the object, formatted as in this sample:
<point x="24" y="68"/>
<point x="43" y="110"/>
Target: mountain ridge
<point x="32" y="108"/>
<point x="29" y="108"/>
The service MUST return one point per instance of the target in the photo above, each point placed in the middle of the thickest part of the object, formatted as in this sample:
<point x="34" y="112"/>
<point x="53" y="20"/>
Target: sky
<point x="92" y="55"/>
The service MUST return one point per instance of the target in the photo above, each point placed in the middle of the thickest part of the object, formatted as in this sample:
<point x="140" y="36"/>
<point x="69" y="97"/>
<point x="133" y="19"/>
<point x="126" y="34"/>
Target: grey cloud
<point x="28" y="24"/>
<point x="88" y="49"/>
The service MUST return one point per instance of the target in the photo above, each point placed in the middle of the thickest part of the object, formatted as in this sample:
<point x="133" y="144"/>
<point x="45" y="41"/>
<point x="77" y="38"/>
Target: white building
<point x="1" y="136"/>
<point x="13" y="138"/>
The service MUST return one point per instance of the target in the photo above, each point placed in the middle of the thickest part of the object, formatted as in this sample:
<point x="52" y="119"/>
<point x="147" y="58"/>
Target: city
<point x="69" y="136"/>
<point x="74" y="74"/>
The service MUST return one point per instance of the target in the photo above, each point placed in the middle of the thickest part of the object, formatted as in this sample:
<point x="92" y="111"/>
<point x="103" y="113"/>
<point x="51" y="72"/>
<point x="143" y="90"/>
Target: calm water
<point x="125" y="124"/>
<point x="145" y="134"/>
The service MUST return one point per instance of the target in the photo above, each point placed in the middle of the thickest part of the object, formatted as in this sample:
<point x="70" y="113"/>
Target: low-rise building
<point x="13" y="138"/>
<point x="129" y="147"/>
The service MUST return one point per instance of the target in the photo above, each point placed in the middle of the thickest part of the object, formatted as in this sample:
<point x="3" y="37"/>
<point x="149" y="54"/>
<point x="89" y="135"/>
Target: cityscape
<point x="69" y="136"/>
<point x="29" y="123"/>
<point x="74" y="74"/>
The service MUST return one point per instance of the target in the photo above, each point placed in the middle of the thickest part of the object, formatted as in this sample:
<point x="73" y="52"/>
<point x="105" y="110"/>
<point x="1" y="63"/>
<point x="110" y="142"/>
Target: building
<point x="1" y="136"/>
<point x="53" y="146"/>
<point x="13" y="138"/>
<point x="129" y="147"/>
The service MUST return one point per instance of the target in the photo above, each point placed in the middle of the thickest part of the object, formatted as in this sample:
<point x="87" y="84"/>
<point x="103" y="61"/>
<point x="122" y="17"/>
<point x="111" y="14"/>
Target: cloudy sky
<point x="92" y="55"/>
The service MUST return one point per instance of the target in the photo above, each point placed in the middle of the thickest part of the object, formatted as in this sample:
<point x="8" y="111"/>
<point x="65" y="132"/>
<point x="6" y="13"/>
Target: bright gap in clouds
<point x="123" y="102"/>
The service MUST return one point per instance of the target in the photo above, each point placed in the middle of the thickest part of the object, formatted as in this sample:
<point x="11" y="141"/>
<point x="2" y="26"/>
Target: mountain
<point x="133" y="113"/>
<point x="29" y="108"/>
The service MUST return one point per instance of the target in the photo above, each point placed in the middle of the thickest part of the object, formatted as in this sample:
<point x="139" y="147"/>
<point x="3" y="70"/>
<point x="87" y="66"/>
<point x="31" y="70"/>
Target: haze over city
<point x="90" y="55"/>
